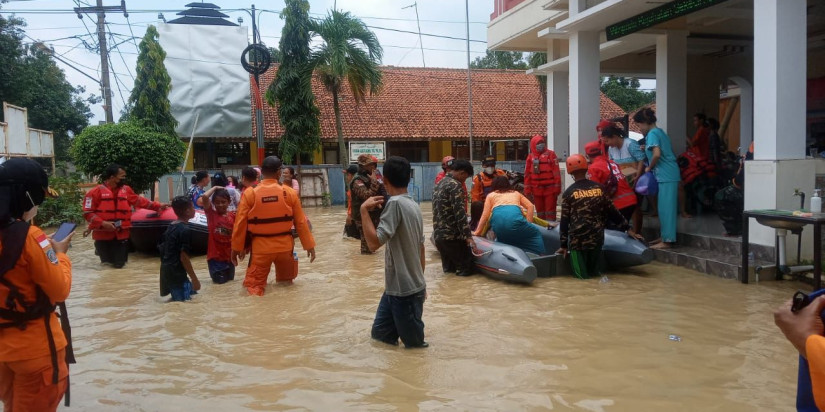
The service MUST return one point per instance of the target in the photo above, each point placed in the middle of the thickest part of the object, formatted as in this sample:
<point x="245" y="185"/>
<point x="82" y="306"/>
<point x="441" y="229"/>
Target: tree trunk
<point x="343" y="158"/>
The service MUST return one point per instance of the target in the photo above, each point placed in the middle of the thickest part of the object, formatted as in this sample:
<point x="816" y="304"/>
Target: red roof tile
<point x="431" y="104"/>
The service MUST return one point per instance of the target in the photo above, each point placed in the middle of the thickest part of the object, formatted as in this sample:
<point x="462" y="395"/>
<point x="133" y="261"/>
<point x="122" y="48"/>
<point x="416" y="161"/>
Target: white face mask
<point x="540" y="147"/>
<point x="30" y="214"/>
<point x="489" y="170"/>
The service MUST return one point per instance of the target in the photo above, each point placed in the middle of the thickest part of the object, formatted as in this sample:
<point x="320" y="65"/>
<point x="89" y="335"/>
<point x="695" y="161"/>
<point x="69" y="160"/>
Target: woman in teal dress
<point x="662" y="161"/>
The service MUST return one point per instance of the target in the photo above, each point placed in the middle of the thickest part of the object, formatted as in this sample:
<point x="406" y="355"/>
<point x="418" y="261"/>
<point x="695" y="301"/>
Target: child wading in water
<point x="174" y="255"/>
<point x="220" y="223"/>
<point x="585" y="209"/>
<point x="401" y="228"/>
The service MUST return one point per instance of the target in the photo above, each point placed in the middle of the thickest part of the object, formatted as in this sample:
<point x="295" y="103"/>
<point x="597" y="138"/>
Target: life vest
<point x="271" y="215"/>
<point x="545" y="173"/>
<point x="17" y="312"/>
<point x="111" y="207"/>
<point x="486" y="182"/>
<point x="693" y="165"/>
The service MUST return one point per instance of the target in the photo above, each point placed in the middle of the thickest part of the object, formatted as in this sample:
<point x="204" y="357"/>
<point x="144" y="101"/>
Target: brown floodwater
<point x="561" y="344"/>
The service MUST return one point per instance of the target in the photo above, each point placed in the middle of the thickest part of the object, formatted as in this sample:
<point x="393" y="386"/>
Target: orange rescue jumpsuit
<point x="815" y="349"/>
<point x="25" y="360"/>
<point x="275" y="208"/>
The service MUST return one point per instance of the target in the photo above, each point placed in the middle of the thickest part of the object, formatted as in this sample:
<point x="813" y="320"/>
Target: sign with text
<point x="661" y="14"/>
<point x="377" y="149"/>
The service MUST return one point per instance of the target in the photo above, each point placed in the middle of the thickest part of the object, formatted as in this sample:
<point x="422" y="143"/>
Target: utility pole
<point x="101" y="10"/>
<point x="469" y="80"/>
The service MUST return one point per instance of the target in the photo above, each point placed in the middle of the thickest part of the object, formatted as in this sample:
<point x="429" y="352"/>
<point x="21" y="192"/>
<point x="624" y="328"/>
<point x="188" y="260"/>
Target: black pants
<point x="729" y="203"/>
<point x="627" y="212"/>
<point x="455" y="256"/>
<point x="400" y="316"/>
<point x="476" y="210"/>
<point x="115" y="252"/>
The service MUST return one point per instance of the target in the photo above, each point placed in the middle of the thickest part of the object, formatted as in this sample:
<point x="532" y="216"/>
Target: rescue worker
<point x="446" y="162"/>
<point x="364" y="186"/>
<point x="605" y="172"/>
<point x="108" y="209"/>
<point x="266" y="214"/>
<point x="482" y="186"/>
<point x="35" y="276"/>
<point x="451" y="232"/>
<point x="542" y="178"/>
<point x="804" y="331"/>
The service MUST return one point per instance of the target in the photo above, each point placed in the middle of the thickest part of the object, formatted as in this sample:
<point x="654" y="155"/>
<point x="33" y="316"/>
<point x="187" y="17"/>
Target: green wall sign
<point x="661" y="14"/>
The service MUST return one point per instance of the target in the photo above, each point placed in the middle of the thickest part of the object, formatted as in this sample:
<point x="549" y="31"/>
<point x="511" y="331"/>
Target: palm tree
<point x="349" y="52"/>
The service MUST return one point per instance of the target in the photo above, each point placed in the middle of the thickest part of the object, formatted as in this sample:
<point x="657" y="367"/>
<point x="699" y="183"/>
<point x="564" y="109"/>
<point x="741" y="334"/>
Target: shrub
<point x="144" y="154"/>
<point x="66" y="208"/>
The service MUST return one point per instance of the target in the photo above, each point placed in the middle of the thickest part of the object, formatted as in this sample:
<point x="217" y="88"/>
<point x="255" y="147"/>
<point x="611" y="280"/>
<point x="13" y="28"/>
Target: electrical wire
<point x="117" y="83"/>
<point x="117" y="48"/>
<point x="134" y="39"/>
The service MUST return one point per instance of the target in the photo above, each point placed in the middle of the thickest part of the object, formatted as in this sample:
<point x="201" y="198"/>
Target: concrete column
<point x="558" y="105"/>
<point x="584" y="88"/>
<point x="576" y="6"/>
<point x="671" y="81"/>
<point x="779" y="72"/>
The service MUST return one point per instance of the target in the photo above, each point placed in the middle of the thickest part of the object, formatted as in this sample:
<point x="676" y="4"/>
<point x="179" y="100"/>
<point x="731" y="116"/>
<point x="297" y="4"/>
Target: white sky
<point x="443" y="17"/>
<point x="54" y="22"/>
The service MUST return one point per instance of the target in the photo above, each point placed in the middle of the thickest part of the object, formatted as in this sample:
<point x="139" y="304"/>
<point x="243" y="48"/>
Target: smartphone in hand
<point x="63" y="231"/>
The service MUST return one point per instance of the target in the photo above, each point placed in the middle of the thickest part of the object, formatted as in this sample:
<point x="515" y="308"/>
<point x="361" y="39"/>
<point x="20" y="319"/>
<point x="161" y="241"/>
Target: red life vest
<point x="271" y="215"/>
<point x="623" y="196"/>
<point x="692" y="165"/>
<point x="543" y="175"/>
<point x="485" y="182"/>
<point x="110" y="207"/>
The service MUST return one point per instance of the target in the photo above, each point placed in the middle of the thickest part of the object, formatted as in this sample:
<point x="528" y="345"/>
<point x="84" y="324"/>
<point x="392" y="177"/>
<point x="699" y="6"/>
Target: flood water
<point x="561" y="344"/>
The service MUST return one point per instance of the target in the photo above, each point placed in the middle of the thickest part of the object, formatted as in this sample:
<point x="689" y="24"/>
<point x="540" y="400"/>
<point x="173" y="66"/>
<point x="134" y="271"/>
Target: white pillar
<point x="671" y="83"/>
<point x="558" y="105"/>
<point x="584" y="89"/>
<point x="779" y="73"/>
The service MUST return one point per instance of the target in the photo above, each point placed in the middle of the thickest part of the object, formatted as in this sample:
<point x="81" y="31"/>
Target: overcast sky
<point x="53" y="22"/>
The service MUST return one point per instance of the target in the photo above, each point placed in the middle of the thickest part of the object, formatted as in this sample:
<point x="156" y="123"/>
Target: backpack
<point x="612" y="184"/>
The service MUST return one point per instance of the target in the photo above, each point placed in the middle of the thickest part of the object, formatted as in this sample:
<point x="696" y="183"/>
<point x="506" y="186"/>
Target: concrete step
<point x="713" y="262"/>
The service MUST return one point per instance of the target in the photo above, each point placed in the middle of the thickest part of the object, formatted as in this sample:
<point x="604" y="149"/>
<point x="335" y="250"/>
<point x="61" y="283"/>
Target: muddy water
<point x="561" y="344"/>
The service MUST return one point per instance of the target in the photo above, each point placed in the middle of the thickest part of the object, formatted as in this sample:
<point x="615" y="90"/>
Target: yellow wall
<point x="439" y="149"/>
<point x="253" y="152"/>
<point x="190" y="163"/>
<point x="501" y="151"/>
<point x="318" y="156"/>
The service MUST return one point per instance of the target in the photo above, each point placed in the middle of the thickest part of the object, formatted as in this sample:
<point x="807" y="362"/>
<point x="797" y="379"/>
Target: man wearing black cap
<point x="36" y="275"/>
<point x="482" y="186"/>
<point x="108" y="209"/>
<point x="266" y="214"/>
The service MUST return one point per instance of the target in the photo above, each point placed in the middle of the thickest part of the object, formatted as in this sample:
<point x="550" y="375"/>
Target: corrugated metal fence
<point x="332" y="180"/>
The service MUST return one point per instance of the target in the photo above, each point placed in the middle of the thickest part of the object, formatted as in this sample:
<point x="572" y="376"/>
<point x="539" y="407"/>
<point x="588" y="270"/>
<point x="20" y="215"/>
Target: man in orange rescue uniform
<point x="266" y="215"/>
<point x="36" y="274"/>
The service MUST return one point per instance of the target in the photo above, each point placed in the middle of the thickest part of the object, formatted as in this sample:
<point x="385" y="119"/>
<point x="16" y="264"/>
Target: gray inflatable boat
<point x="503" y="262"/>
<point x="619" y="250"/>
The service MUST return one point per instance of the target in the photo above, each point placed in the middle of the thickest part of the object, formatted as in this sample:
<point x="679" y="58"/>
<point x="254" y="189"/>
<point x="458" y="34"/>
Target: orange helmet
<point x="575" y="163"/>
<point x="446" y="161"/>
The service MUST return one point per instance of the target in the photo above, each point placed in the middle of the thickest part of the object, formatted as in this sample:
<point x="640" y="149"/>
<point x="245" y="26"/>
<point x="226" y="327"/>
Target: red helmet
<point x="602" y="124"/>
<point x="594" y="149"/>
<point x="575" y="163"/>
<point x="446" y="161"/>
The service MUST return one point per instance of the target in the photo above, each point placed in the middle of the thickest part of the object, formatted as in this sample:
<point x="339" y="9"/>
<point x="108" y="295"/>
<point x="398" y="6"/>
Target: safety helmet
<point x="447" y="161"/>
<point x="575" y="163"/>
<point x="593" y="149"/>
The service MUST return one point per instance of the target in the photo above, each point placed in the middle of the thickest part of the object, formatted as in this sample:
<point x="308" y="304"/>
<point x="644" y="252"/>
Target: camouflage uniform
<point x="450" y="227"/>
<point x="364" y="186"/>
<point x="585" y="210"/>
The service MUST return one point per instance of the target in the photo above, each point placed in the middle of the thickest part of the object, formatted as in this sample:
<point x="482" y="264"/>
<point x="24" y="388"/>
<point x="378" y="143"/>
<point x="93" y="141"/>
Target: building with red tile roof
<point x="421" y="113"/>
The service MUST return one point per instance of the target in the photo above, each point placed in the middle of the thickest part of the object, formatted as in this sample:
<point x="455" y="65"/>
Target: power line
<point x="427" y="34"/>
<point x="117" y="48"/>
<point x="134" y="40"/>
<point x="117" y="81"/>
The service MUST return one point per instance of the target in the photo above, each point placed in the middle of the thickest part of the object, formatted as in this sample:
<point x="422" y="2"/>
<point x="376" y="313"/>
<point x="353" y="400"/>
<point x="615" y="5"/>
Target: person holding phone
<point x="37" y="276"/>
<point x="108" y="209"/>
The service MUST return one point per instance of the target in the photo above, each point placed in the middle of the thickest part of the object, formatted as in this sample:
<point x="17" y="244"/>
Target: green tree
<point x="30" y="78"/>
<point x="149" y="102"/>
<point x="291" y="91"/>
<point x="535" y="60"/>
<point x="145" y="154"/>
<point x="624" y="91"/>
<point x="349" y="52"/>
<point x="500" y="60"/>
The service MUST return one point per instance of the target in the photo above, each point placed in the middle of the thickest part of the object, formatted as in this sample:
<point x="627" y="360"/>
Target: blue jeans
<point x="400" y="317"/>
<point x="221" y="272"/>
<point x="183" y="292"/>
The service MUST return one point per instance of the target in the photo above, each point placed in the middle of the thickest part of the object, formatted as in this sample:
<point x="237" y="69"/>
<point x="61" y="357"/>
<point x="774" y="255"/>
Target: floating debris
<point x="675" y="338"/>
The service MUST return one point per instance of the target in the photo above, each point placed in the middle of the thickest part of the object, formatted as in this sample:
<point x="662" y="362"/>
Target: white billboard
<point x="377" y="149"/>
<point x="204" y="63"/>
<point x="17" y="139"/>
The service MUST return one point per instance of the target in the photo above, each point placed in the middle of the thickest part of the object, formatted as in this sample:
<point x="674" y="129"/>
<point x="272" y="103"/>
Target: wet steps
<point x="713" y="255"/>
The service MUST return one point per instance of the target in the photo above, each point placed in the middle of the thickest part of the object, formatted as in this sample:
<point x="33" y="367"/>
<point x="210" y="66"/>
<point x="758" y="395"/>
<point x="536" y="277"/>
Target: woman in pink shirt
<point x="510" y="215"/>
<point x="289" y="179"/>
